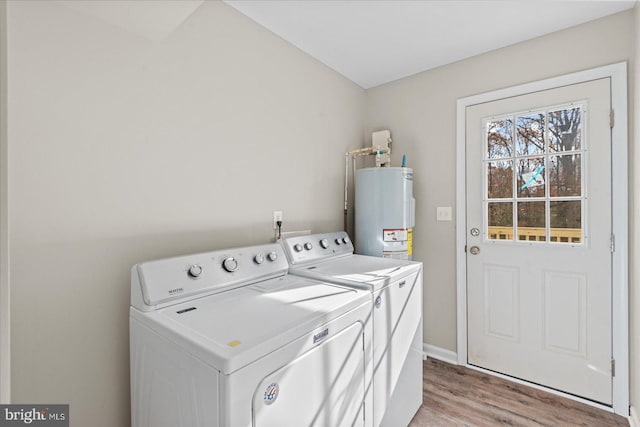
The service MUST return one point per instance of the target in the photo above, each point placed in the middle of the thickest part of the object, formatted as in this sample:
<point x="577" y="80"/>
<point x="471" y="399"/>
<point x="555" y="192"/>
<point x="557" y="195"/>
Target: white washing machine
<point x="396" y="290"/>
<point x="229" y="339"/>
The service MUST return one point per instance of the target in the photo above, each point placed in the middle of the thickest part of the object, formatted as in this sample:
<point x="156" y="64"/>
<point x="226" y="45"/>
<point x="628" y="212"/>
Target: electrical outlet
<point x="277" y="216"/>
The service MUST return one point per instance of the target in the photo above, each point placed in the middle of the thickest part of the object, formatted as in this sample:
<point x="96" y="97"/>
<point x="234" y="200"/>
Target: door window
<point x="533" y="165"/>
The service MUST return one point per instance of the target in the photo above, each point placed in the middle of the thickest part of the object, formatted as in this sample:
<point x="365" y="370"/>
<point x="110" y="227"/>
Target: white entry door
<point x="538" y="185"/>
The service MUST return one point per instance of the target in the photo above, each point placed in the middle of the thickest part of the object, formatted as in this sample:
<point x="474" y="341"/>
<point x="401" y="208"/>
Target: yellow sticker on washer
<point x="410" y="241"/>
<point x="233" y="343"/>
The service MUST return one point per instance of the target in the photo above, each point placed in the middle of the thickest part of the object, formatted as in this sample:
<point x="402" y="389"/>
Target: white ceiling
<point x="375" y="42"/>
<point x="372" y="42"/>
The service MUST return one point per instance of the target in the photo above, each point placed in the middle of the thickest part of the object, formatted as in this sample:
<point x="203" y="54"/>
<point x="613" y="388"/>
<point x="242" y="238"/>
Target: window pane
<point x="500" y="139"/>
<point x="530" y="134"/>
<point x="566" y="221"/>
<point x="565" y="130"/>
<point x="531" y="177"/>
<point x="500" y="221"/>
<point x="531" y="221"/>
<point x="500" y="179"/>
<point x="565" y="174"/>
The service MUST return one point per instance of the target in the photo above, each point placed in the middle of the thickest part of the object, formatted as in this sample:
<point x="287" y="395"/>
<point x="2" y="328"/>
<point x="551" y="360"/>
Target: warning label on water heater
<point x="395" y="235"/>
<point x="396" y="243"/>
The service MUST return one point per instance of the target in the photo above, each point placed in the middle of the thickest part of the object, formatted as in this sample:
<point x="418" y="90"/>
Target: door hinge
<point x="613" y="367"/>
<point x="465" y="249"/>
<point x="612" y="119"/>
<point x="613" y="243"/>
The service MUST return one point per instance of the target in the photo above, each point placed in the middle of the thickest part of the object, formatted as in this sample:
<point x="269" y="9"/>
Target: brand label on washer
<point x="378" y="302"/>
<point x="176" y="291"/>
<point x="320" y="336"/>
<point x="271" y="393"/>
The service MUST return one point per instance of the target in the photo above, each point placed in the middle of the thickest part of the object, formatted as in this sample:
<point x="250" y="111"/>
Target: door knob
<point x="474" y="250"/>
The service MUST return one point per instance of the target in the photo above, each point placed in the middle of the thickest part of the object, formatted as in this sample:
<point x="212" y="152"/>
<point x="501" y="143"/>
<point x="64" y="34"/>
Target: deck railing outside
<point x="537" y="234"/>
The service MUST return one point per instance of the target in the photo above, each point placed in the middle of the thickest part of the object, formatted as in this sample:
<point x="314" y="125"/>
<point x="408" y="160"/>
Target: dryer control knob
<point x="272" y="256"/>
<point x="297" y="247"/>
<point x="195" y="271"/>
<point x="338" y="241"/>
<point x="258" y="259"/>
<point x="345" y="240"/>
<point x="324" y="243"/>
<point x="230" y="264"/>
<point x="308" y="246"/>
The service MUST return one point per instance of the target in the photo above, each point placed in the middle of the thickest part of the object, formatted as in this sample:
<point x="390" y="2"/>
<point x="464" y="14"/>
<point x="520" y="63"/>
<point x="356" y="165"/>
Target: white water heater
<point x="385" y="212"/>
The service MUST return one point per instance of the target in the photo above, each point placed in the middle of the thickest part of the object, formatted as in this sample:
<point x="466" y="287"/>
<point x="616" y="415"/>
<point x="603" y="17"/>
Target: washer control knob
<point x="258" y="259"/>
<point x="338" y="241"/>
<point x="297" y="247"/>
<point x="324" y="243"/>
<point x="272" y="256"/>
<point x="195" y="271"/>
<point x="345" y="240"/>
<point x="308" y="246"/>
<point x="230" y="264"/>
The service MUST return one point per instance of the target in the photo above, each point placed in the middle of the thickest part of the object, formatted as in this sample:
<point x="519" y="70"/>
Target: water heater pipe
<point x="346" y="188"/>
<point x="354" y="154"/>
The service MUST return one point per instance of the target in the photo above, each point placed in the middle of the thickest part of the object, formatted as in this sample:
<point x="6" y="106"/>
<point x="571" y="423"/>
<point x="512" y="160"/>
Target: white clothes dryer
<point x="396" y="297"/>
<point x="229" y="339"/>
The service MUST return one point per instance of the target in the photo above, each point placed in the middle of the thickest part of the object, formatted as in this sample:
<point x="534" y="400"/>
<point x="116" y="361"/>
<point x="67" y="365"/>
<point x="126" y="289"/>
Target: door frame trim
<point x="619" y="182"/>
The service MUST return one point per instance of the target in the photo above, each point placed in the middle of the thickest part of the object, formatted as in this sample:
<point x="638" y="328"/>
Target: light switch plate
<point x="443" y="213"/>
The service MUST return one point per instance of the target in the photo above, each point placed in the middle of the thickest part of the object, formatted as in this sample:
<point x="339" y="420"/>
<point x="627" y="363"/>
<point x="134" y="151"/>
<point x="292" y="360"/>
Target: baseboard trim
<point x="441" y="354"/>
<point x="634" y="418"/>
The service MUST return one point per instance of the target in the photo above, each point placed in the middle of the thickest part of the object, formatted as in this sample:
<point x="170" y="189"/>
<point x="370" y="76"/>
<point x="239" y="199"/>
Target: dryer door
<point x="323" y="387"/>
<point x="397" y="351"/>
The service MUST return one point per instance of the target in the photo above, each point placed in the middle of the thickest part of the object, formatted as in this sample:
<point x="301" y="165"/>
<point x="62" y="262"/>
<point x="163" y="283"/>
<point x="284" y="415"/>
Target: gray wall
<point x="124" y="150"/>
<point x="634" y="305"/>
<point x="421" y="112"/>
<point x="5" y="332"/>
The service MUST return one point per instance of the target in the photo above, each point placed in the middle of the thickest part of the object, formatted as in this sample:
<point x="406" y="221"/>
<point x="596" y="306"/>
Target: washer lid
<point x="356" y="270"/>
<point x="238" y="327"/>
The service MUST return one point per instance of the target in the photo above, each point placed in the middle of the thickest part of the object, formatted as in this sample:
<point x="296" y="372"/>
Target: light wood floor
<point x="458" y="396"/>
